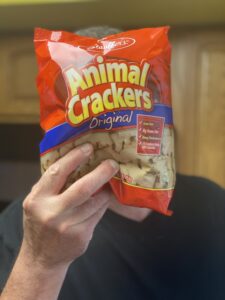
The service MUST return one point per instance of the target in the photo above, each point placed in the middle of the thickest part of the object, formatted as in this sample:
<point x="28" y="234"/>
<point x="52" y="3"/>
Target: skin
<point x="59" y="226"/>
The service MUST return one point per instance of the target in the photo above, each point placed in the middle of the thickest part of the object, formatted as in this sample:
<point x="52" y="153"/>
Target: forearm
<point x="30" y="280"/>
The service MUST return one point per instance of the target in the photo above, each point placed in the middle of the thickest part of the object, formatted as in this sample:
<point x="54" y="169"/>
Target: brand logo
<point x="115" y="44"/>
<point x="106" y="85"/>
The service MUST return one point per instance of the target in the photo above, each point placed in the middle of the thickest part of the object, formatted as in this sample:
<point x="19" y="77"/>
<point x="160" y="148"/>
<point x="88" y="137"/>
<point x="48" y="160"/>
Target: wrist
<point x="31" y="279"/>
<point x="28" y="258"/>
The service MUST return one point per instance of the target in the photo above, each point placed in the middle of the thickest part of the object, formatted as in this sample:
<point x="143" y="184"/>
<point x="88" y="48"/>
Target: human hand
<point x="59" y="226"/>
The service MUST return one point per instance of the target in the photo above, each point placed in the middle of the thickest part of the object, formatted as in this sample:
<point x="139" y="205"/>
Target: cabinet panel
<point x="18" y="95"/>
<point x="198" y="77"/>
<point x="211" y="113"/>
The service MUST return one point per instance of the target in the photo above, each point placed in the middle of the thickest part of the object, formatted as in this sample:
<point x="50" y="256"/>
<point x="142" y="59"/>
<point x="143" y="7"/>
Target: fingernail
<point x="86" y="148"/>
<point x="114" y="164"/>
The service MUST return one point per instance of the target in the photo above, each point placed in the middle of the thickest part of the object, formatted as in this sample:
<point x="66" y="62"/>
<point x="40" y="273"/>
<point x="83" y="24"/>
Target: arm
<point x="30" y="280"/>
<point x="57" y="226"/>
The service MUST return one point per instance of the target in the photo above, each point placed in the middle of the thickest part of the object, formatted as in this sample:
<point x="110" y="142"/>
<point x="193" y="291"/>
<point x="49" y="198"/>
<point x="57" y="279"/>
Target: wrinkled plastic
<point x="115" y="93"/>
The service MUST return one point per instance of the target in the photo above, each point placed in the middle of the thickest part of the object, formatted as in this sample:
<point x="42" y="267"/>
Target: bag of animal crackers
<point x="115" y="93"/>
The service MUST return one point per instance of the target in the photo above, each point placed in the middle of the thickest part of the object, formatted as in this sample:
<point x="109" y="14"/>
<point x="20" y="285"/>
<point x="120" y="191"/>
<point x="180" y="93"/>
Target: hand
<point x="59" y="226"/>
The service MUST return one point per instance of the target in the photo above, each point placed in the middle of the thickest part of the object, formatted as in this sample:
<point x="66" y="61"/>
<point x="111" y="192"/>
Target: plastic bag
<point x="115" y="93"/>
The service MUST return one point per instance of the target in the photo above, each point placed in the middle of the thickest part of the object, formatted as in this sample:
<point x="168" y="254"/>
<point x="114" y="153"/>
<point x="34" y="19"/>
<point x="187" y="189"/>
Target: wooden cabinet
<point x="18" y="95"/>
<point x="198" y="89"/>
<point x="198" y="81"/>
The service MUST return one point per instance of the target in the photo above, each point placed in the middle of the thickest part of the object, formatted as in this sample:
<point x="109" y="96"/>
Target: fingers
<point x="79" y="214"/>
<point x="53" y="180"/>
<point x="87" y="227"/>
<point x="85" y="187"/>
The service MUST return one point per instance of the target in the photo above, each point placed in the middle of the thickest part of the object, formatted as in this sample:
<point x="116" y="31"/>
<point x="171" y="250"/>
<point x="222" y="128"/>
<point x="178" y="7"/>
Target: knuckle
<point x="62" y="230"/>
<point x="28" y="204"/>
<point x="48" y="222"/>
<point x="54" y="170"/>
<point x="85" y="149"/>
<point x="59" y="230"/>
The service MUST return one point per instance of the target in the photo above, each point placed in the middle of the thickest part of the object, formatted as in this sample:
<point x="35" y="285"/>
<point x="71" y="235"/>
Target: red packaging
<point x="115" y="93"/>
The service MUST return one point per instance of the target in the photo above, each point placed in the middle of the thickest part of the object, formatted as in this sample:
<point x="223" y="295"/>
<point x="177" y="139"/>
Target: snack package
<point x="115" y="93"/>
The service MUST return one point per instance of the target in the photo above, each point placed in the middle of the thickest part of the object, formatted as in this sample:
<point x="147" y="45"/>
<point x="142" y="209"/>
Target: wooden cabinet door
<point x="18" y="95"/>
<point x="198" y="89"/>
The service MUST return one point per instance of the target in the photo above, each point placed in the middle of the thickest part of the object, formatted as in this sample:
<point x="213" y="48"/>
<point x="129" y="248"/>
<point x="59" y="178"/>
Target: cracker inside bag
<point x="113" y="92"/>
